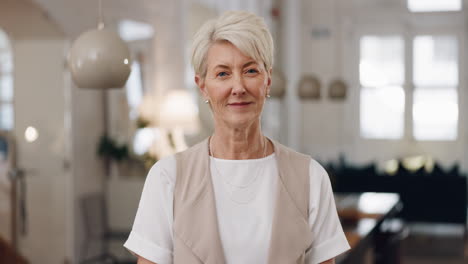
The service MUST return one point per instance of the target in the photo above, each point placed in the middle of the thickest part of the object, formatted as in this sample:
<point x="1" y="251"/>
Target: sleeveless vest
<point x="195" y="226"/>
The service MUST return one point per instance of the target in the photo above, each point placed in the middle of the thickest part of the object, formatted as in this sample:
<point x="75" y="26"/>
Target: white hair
<point x="246" y="31"/>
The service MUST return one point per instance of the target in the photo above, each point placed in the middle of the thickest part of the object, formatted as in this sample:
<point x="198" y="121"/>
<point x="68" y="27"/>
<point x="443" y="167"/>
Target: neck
<point x="239" y="144"/>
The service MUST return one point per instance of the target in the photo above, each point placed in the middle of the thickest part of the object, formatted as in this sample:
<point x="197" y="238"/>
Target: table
<point x="362" y="216"/>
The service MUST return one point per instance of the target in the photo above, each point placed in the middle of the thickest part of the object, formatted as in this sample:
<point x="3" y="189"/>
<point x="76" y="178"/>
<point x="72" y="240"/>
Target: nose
<point x="238" y="87"/>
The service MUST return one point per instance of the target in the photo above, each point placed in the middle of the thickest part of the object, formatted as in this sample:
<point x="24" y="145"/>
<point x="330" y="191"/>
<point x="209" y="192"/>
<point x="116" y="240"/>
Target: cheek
<point x="258" y="86"/>
<point x="218" y="92"/>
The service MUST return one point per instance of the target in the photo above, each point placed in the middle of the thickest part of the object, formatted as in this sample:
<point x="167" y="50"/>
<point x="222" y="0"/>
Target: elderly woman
<point x="236" y="197"/>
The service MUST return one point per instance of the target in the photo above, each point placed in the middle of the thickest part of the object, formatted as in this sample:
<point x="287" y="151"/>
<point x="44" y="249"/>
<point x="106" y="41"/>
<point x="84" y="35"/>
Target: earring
<point x="207" y="101"/>
<point x="268" y="96"/>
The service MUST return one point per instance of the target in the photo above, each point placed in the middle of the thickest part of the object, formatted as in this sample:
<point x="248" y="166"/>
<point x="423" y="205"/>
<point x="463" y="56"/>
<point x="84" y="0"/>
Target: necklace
<point x="211" y="153"/>
<point x="247" y="194"/>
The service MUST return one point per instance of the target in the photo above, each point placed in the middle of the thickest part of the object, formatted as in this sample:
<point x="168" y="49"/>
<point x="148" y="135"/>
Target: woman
<point x="239" y="197"/>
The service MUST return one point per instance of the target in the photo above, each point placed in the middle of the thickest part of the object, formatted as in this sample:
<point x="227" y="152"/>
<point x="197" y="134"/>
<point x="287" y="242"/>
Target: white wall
<point x="39" y="102"/>
<point x="322" y="121"/>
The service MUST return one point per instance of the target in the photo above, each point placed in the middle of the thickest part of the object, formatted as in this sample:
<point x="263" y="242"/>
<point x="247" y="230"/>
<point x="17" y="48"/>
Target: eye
<point x="222" y="74"/>
<point x="252" y="71"/>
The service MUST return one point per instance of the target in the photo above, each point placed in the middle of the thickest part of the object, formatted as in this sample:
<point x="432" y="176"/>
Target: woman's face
<point x="235" y="84"/>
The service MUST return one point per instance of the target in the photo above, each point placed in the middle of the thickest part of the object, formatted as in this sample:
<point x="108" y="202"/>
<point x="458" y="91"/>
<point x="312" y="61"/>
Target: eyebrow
<point x="227" y="67"/>
<point x="249" y="63"/>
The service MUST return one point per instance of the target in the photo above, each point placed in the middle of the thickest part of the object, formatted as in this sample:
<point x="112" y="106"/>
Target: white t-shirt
<point x="245" y="192"/>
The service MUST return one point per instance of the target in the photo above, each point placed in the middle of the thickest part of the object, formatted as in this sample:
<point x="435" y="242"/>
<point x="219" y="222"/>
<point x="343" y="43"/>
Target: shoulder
<point x="195" y="149"/>
<point x="319" y="179"/>
<point x="291" y="153"/>
<point x="163" y="170"/>
<point x="317" y="171"/>
<point x="297" y="162"/>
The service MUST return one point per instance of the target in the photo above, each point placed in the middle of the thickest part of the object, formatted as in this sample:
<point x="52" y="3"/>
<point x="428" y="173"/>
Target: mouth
<point x="240" y="104"/>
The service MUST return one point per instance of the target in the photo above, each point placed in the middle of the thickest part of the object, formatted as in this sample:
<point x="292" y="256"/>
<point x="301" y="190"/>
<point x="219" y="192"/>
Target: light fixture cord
<point x="100" y="19"/>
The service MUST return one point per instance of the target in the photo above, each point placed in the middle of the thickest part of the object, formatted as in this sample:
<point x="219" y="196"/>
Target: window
<point x="434" y="5"/>
<point x="134" y="90"/>
<point x="6" y="83"/>
<point x="435" y="106"/>
<point x="143" y="137"/>
<point x="381" y="74"/>
<point x="435" y="71"/>
<point x="131" y="30"/>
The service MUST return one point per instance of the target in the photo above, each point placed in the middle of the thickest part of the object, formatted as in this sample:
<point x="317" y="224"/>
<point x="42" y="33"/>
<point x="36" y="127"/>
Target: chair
<point x="97" y="230"/>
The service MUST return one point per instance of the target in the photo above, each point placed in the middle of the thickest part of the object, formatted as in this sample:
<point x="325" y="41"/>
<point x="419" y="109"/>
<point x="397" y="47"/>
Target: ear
<point x="201" y="85"/>
<point x="269" y="81"/>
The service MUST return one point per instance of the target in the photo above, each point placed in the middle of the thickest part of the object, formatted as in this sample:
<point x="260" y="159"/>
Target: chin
<point x="242" y="121"/>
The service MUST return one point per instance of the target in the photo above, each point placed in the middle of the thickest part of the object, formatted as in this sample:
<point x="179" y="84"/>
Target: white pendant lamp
<point x="99" y="59"/>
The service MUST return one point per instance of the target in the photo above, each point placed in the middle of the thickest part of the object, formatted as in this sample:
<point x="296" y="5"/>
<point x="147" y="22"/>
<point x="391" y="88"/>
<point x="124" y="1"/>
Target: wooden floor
<point x="422" y="260"/>
<point x="420" y="249"/>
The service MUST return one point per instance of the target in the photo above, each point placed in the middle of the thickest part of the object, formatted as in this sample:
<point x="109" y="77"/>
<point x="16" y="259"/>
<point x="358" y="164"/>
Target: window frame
<point x="398" y="21"/>
<point x="408" y="34"/>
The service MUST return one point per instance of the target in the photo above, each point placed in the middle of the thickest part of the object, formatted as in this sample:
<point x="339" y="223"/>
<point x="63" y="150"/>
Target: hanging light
<point x="278" y="84"/>
<point x="99" y="58"/>
<point x="337" y="90"/>
<point x="309" y="87"/>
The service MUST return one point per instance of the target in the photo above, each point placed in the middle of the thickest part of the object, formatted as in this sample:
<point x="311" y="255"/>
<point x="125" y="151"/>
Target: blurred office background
<point x="375" y="90"/>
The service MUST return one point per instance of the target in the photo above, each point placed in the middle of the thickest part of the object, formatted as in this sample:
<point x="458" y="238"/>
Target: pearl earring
<point x="207" y="101"/>
<point x="268" y="96"/>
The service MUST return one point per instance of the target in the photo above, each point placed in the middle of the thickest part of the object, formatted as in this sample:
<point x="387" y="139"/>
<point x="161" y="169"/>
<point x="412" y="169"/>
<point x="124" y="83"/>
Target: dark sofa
<point x="436" y="197"/>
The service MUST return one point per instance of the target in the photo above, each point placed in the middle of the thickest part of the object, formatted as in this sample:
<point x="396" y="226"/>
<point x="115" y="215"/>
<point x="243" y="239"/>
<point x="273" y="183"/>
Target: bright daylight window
<point x="134" y="90"/>
<point x="434" y="5"/>
<point x="435" y="106"/>
<point x="6" y="83"/>
<point x="381" y="74"/>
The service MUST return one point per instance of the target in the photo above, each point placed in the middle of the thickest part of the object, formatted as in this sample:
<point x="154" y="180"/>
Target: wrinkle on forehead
<point x="218" y="57"/>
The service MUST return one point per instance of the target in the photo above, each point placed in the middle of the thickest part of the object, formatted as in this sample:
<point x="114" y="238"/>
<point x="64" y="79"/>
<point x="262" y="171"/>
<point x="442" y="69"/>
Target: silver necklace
<point x="246" y="192"/>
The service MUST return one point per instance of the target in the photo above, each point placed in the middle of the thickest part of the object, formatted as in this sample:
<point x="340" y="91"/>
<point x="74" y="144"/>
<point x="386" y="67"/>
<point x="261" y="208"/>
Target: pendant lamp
<point x="337" y="90"/>
<point x="278" y="84"/>
<point x="309" y="88"/>
<point x="99" y="58"/>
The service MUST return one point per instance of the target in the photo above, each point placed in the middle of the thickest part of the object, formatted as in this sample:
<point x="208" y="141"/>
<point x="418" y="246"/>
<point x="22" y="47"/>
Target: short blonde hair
<point x="245" y="30"/>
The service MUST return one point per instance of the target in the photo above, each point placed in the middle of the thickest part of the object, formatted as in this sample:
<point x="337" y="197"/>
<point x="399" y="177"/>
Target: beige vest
<point x="195" y="227"/>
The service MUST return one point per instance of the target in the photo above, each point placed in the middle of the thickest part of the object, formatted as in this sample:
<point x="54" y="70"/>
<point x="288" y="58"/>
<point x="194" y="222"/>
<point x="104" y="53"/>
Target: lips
<point x="240" y="103"/>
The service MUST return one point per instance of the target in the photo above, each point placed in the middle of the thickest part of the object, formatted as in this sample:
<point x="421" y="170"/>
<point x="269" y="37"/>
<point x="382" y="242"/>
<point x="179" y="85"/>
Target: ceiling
<point x="75" y="16"/>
